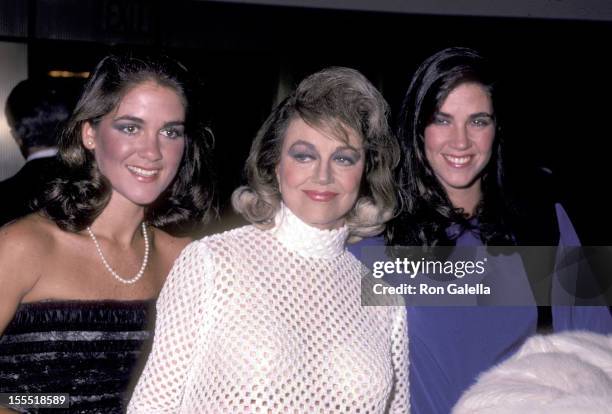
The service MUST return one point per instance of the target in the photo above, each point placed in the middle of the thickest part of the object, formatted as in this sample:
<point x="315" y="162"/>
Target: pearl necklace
<point x="110" y="269"/>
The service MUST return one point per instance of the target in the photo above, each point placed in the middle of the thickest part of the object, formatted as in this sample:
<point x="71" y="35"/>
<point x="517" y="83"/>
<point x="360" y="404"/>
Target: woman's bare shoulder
<point x="25" y="245"/>
<point x="32" y="234"/>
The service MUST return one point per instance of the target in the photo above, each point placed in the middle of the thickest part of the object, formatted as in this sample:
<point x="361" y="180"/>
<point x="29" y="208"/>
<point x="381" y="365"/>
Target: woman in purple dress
<point x="456" y="194"/>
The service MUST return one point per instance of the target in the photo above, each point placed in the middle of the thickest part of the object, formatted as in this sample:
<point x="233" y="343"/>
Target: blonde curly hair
<point x="336" y="99"/>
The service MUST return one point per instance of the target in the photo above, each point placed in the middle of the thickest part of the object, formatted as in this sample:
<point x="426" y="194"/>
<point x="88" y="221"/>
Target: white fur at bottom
<point x="566" y="373"/>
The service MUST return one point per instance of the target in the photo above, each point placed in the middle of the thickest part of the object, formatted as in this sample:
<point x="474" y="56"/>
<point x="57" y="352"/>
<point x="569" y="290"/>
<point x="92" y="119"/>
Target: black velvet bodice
<point x="92" y="350"/>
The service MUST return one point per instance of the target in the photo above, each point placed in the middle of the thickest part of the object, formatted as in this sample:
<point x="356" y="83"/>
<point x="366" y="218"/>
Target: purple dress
<point x="451" y="346"/>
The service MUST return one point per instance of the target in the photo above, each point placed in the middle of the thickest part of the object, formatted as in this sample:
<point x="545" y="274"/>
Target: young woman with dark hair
<point x="79" y="276"/>
<point x="439" y="188"/>
<point x="455" y="192"/>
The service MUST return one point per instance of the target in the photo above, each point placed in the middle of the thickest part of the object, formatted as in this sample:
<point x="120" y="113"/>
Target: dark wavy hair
<point x="81" y="193"/>
<point x="340" y="100"/>
<point x="427" y="211"/>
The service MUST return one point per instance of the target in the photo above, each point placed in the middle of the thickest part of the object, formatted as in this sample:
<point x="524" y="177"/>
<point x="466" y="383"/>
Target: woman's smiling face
<point x="319" y="175"/>
<point x="139" y="145"/>
<point x="459" y="140"/>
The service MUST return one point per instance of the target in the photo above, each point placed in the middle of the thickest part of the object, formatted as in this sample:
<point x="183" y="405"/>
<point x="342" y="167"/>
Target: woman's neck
<point x="466" y="198"/>
<point x="120" y="221"/>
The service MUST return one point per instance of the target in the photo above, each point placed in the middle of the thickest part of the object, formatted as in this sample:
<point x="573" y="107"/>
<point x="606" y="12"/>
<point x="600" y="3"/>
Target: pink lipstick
<point x="321" y="196"/>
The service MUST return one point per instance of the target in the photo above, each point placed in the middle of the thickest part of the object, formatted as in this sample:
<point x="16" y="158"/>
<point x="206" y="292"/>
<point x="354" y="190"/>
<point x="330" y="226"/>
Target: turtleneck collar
<point x="306" y="240"/>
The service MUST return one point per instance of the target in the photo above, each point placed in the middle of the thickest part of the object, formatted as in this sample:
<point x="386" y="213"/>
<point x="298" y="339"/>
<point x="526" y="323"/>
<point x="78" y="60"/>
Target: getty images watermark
<point x="487" y="275"/>
<point x="413" y="268"/>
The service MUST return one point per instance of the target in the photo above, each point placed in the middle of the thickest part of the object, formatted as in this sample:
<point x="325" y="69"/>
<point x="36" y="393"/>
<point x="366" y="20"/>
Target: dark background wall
<point x="556" y="73"/>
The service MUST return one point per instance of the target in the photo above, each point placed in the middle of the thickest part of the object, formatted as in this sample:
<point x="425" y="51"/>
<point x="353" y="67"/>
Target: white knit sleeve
<point x="179" y="314"/>
<point x="400" y="400"/>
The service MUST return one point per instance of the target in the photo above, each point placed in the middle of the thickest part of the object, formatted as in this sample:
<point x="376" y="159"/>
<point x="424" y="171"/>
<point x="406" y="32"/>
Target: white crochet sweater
<point x="254" y="321"/>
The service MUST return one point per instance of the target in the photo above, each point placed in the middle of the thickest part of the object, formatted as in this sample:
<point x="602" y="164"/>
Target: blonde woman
<point x="268" y="317"/>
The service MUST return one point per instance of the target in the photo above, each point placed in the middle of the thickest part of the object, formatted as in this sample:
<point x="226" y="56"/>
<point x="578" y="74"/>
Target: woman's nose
<point x="150" y="148"/>
<point x="460" y="139"/>
<point x="323" y="173"/>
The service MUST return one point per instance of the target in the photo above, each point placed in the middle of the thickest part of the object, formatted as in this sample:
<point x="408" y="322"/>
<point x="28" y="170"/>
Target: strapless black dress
<point x="92" y="350"/>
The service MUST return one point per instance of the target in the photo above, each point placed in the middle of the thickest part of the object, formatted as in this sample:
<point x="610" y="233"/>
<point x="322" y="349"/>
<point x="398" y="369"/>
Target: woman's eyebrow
<point x="129" y="118"/>
<point x="348" y="147"/>
<point x="302" y="142"/>
<point x="174" y="123"/>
